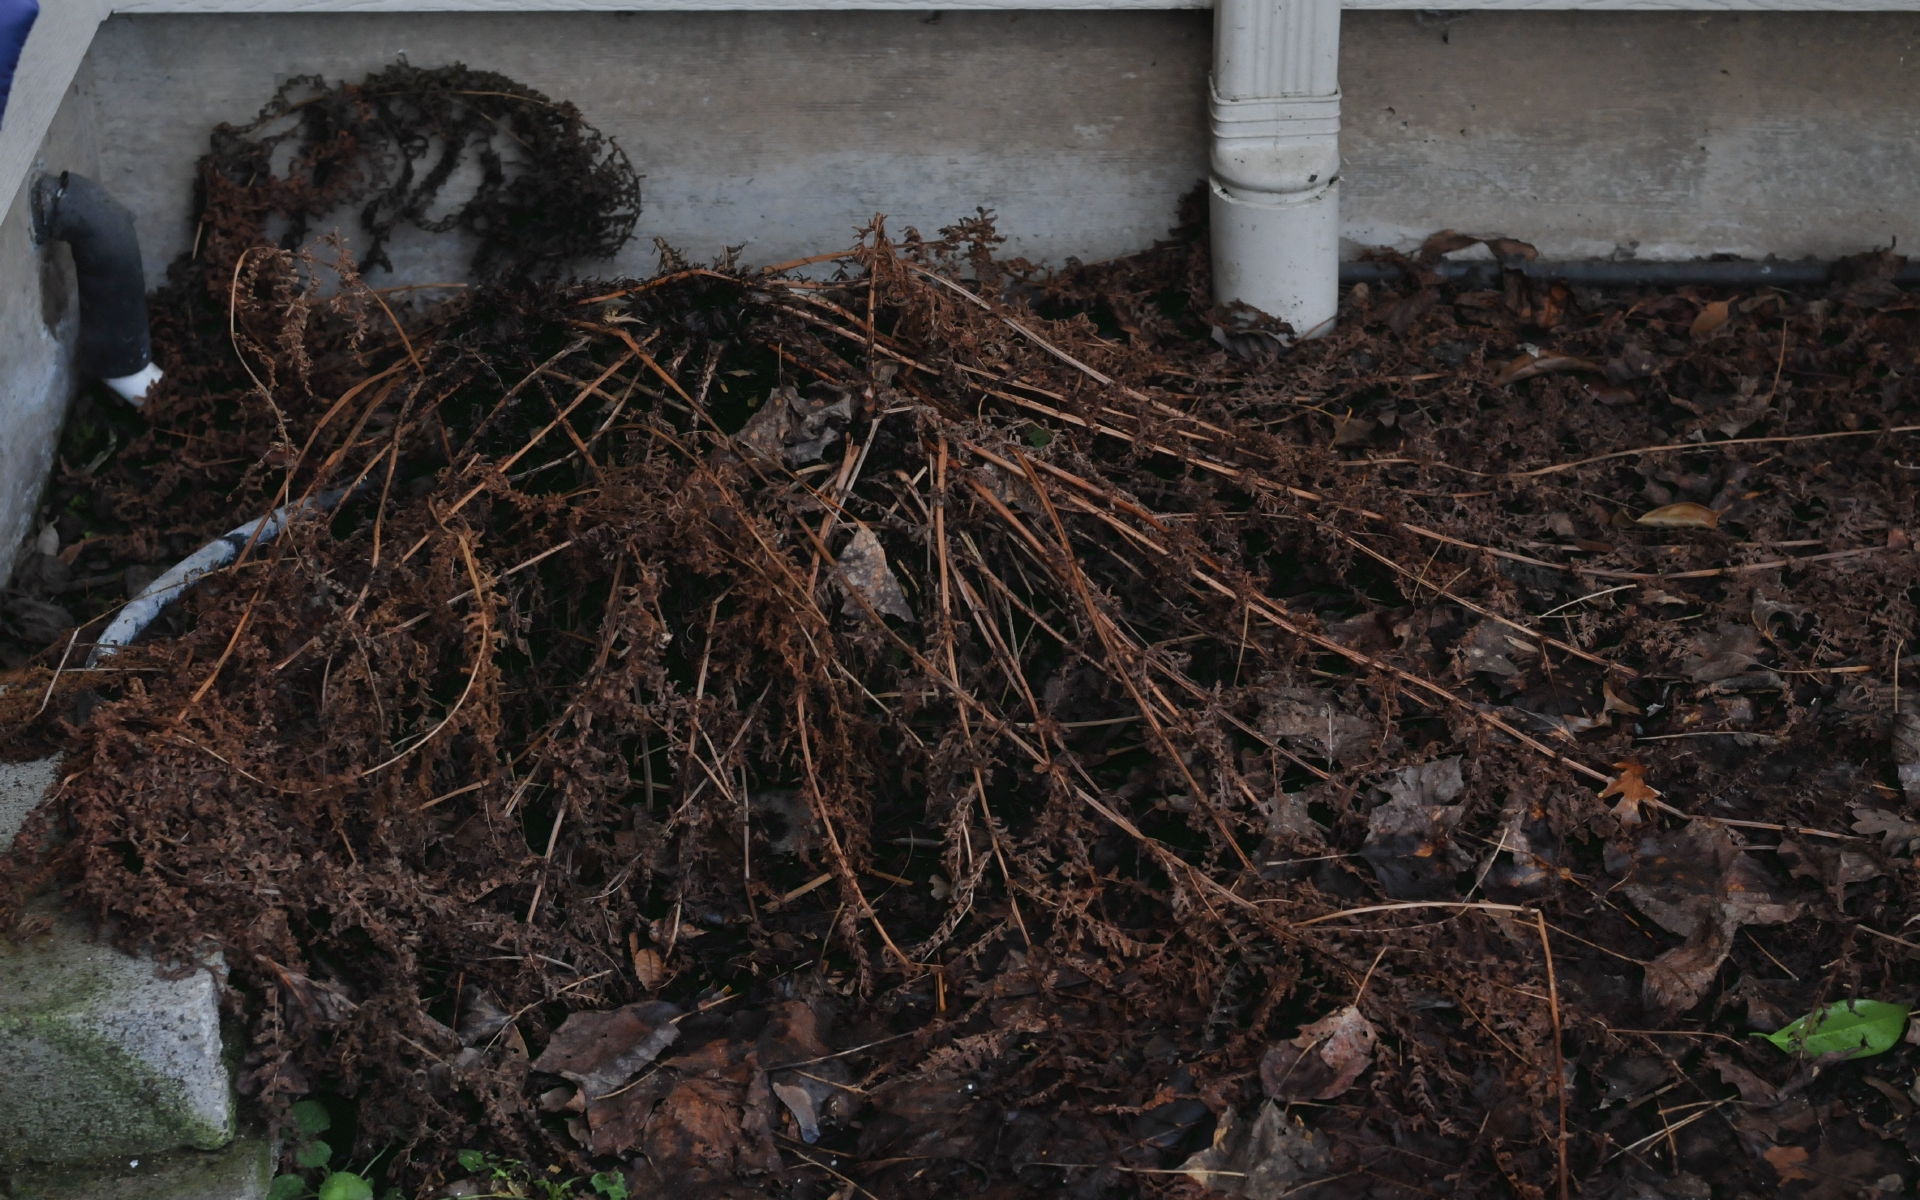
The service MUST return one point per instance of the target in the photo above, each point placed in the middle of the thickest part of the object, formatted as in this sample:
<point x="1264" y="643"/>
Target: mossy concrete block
<point x="243" y="1170"/>
<point x="103" y="1056"/>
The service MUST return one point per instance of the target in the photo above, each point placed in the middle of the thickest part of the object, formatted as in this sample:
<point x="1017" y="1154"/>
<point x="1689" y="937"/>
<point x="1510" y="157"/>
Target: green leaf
<point x="610" y="1184"/>
<point x="1039" y="438"/>
<point x="473" y="1160"/>
<point x="286" y="1187"/>
<point x="313" y="1154"/>
<point x="1866" y="1027"/>
<point x="345" y="1185"/>
<point x="311" y="1116"/>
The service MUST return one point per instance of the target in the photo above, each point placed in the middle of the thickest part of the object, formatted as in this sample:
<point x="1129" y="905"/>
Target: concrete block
<point x="22" y="787"/>
<point x="243" y="1170"/>
<point x="104" y="1057"/>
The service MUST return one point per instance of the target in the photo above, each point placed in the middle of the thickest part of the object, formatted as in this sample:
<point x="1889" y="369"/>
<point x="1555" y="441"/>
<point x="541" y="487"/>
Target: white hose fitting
<point x="1275" y="158"/>
<point x="133" y="388"/>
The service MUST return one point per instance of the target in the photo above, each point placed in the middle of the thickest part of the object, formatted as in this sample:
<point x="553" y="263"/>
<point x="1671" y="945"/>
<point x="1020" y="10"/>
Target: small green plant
<point x="310" y="1120"/>
<point x="512" y="1178"/>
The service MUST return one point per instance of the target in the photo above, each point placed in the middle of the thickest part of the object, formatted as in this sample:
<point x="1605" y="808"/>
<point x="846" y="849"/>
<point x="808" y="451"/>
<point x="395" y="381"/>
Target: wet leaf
<point x="1832" y="867"/>
<point x="1615" y="702"/>
<point x="1867" y="1027"/>
<point x="799" y="1102"/>
<point x="1323" y="1061"/>
<point x="1711" y="318"/>
<point x="1350" y="430"/>
<point x="1906" y="748"/>
<point x="1408" y="838"/>
<point x="1632" y="788"/>
<point x="1492" y="647"/>
<point x="562" y="1099"/>
<point x="1765" y="610"/>
<point x="286" y="1187"/>
<point x="1789" y="1162"/>
<point x="480" y="1016"/>
<point x="602" y="1050"/>
<point x="1529" y="365"/>
<point x="1312" y="721"/>
<point x="1753" y="1089"/>
<point x="1728" y="651"/>
<point x="1684" y="515"/>
<point x="1897" y="834"/>
<point x="863" y="565"/>
<point x="1269" y="1159"/>
<point x="1612" y="395"/>
<point x="1698" y="883"/>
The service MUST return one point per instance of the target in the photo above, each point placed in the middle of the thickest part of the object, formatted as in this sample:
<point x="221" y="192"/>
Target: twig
<point x="48" y="697"/>
<point x="481" y="658"/>
<point x="1559" y="1062"/>
<point x="214" y="674"/>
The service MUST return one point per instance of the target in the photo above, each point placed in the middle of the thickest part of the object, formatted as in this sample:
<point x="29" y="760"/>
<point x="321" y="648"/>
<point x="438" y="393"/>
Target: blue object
<point x="16" y="21"/>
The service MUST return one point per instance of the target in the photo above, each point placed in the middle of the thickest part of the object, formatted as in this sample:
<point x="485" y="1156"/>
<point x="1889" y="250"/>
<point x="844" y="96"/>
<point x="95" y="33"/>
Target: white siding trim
<point x="48" y="64"/>
<point x="386" y="6"/>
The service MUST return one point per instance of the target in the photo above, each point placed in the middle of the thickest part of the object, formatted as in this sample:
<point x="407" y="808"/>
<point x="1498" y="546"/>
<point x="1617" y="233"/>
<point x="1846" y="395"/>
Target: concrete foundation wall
<point x="1682" y="134"/>
<point x="39" y="319"/>
<point x="1663" y="134"/>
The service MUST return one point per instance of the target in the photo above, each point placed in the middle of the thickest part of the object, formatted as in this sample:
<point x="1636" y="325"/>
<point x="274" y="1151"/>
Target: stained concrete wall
<point x="1673" y="135"/>
<point x="779" y="132"/>
<point x="39" y="319"/>
<point x="1667" y="135"/>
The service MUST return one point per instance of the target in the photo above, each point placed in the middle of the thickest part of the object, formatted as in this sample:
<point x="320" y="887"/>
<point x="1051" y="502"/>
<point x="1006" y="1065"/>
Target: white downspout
<point x="1275" y="109"/>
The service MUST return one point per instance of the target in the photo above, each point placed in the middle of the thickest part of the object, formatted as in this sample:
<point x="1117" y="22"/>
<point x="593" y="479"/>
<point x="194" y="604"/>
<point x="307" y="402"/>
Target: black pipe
<point x="114" y="337"/>
<point x="1630" y="273"/>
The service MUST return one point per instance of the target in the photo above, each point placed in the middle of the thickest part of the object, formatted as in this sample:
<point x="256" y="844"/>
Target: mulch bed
<point x="944" y="728"/>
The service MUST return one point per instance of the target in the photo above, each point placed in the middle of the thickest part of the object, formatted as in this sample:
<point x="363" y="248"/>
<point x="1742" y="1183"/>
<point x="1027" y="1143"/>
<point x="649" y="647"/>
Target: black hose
<point x="114" y="336"/>
<point x="1630" y="273"/>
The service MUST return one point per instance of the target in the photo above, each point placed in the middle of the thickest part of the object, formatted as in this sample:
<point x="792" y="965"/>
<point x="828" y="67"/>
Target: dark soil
<point x="948" y="729"/>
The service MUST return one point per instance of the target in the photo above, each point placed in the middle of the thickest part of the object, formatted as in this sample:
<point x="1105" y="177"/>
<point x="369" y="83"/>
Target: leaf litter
<point x="927" y="726"/>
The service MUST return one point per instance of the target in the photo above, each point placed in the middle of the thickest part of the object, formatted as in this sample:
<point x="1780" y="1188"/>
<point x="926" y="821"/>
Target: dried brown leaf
<point x="1632" y="788"/>
<point x="1684" y="515"/>
<point x="1698" y="883"/>
<point x="602" y="1050"/>
<point x="1270" y="1158"/>
<point x="863" y="566"/>
<point x="1323" y="1061"/>
<point x="1896" y="833"/>
<point x="1789" y="1162"/>
<point x="1711" y="318"/>
<point x="1529" y="365"/>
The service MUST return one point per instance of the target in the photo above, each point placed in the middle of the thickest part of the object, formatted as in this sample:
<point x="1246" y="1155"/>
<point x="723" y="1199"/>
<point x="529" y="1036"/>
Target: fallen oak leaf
<point x="1529" y="365"/>
<point x="1684" y="515"/>
<point x="1632" y="788"/>
<point x="1894" y="830"/>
